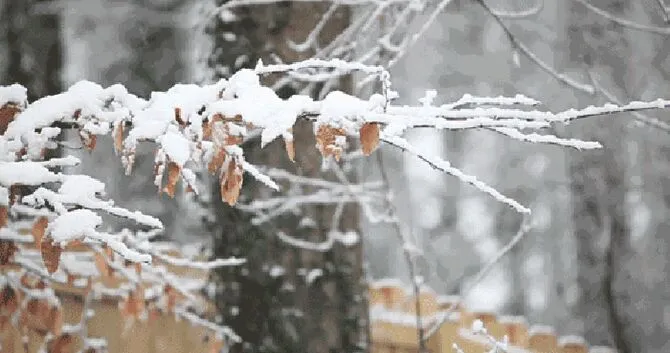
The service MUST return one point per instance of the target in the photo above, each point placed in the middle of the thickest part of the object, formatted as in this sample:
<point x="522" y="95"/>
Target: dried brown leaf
<point x="326" y="141"/>
<point x="178" y="118"/>
<point x="217" y="161"/>
<point x="290" y="149"/>
<point x="9" y="301"/>
<point x="88" y="140"/>
<point x="14" y="193"/>
<point x="55" y="322"/>
<point x="174" y="173"/>
<point x="216" y="346"/>
<point x="106" y="272"/>
<point x="32" y="281"/>
<point x="128" y="159"/>
<point x="4" y="216"/>
<point x="118" y="137"/>
<point x="133" y="304"/>
<point x="39" y="227"/>
<point x="231" y="182"/>
<point x="369" y="137"/>
<point x="60" y="344"/>
<point x="50" y="254"/>
<point x="7" y="114"/>
<point x="7" y="250"/>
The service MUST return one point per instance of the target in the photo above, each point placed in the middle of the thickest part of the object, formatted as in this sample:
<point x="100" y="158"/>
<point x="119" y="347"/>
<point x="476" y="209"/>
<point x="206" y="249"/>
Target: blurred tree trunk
<point x="31" y="47"/>
<point x="140" y="46"/>
<point x="599" y="184"/>
<point x="272" y="301"/>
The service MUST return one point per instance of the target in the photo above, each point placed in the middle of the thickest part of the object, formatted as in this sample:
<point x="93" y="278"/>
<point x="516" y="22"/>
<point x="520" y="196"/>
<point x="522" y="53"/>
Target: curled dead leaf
<point x="369" y="137"/>
<point x="50" y="254"/>
<point x="328" y="141"/>
<point x="174" y="173"/>
<point x="7" y="250"/>
<point x="231" y="182"/>
<point x="39" y="227"/>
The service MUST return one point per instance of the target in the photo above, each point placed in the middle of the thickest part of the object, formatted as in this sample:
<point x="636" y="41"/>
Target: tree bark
<point x="270" y="301"/>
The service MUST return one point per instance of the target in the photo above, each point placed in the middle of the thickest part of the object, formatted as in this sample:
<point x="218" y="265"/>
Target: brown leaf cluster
<point x="326" y="141"/>
<point x="218" y="130"/>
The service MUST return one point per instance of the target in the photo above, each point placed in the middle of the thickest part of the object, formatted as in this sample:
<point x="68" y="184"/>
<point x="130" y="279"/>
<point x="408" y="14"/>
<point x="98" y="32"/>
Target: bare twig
<point x="624" y="22"/>
<point x="409" y="259"/>
<point x="518" y="45"/>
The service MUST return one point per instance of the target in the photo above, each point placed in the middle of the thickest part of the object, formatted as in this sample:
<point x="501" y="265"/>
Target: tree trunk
<point x="599" y="186"/>
<point x="277" y="302"/>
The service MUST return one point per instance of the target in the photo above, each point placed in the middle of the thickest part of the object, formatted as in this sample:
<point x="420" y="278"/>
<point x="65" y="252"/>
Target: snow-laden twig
<point x="546" y="139"/>
<point x="444" y="166"/>
<point x="643" y="119"/>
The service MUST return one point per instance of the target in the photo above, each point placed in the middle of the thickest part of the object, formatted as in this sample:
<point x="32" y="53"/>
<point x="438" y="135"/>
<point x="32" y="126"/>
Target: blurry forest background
<point x="596" y="261"/>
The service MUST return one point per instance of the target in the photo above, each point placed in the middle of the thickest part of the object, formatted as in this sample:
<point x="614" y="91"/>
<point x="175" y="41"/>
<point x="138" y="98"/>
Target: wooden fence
<point x="394" y="326"/>
<point x="155" y="331"/>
